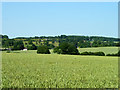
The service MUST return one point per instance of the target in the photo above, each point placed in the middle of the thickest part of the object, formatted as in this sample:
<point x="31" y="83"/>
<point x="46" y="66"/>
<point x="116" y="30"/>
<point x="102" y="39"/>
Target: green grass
<point x="32" y="70"/>
<point x="106" y="50"/>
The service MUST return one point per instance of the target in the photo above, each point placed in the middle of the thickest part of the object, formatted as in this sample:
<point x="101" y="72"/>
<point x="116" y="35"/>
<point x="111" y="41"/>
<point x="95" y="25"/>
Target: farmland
<point x="28" y="69"/>
<point x="106" y="50"/>
<point x="59" y="45"/>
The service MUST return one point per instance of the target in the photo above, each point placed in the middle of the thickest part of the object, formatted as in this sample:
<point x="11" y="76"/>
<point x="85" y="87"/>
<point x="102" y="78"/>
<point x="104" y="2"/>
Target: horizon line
<point x="60" y="35"/>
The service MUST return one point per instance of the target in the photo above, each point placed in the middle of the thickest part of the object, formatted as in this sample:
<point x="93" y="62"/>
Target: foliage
<point x="57" y="50"/>
<point x="78" y="41"/>
<point x="72" y="50"/>
<point x="50" y="46"/>
<point x="93" y="53"/>
<point x="119" y="53"/>
<point x="7" y="43"/>
<point x="114" y="54"/>
<point x="99" y="53"/>
<point x="83" y="44"/>
<point x="32" y="47"/>
<point x="18" y="45"/>
<point x="86" y="53"/>
<point x="30" y="42"/>
<point x="8" y="51"/>
<point x="4" y="37"/>
<point x="43" y="50"/>
<point x="66" y="48"/>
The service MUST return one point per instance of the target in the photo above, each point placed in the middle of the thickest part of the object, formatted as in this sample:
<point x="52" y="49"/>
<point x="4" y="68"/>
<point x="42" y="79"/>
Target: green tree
<point x="32" y="47"/>
<point x="30" y="42"/>
<point x="18" y="45"/>
<point x="119" y="53"/>
<point x="50" y="46"/>
<point x="72" y="49"/>
<point x="5" y="37"/>
<point x="57" y="50"/>
<point x="66" y="48"/>
<point x="43" y="50"/>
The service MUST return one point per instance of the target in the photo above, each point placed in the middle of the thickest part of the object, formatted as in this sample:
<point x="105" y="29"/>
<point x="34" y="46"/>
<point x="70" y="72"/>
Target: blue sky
<point x="57" y="18"/>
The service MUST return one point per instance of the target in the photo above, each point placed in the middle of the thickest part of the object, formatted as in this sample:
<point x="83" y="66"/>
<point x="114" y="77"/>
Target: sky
<point x="28" y="19"/>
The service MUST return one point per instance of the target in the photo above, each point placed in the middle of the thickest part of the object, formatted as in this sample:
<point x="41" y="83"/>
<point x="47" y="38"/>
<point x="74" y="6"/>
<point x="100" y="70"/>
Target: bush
<point x="8" y="51"/>
<point x="57" y="50"/>
<point x="93" y="53"/>
<point x="112" y="54"/>
<point x="99" y="53"/>
<point x="116" y="54"/>
<point x="119" y="53"/>
<point x="72" y="50"/>
<point x="50" y="46"/>
<point x="43" y="50"/>
<point x="87" y="53"/>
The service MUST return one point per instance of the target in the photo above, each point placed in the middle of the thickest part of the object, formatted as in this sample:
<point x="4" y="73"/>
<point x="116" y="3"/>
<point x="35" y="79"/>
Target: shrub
<point x="43" y="50"/>
<point x="116" y="54"/>
<point x="112" y="54"/>
<point x="119" y="53"/>
<point x="50" y="46"/>
<point x="99" y="53"/>
<point x="93" y="53"/>
<point x="72" y="50"/>
<point x="57" y="50"/>
<point x="8" y="51"/>
<point x="84" y="53"/>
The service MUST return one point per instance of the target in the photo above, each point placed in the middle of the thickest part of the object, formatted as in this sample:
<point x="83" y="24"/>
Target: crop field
<point x="31" y="70"/>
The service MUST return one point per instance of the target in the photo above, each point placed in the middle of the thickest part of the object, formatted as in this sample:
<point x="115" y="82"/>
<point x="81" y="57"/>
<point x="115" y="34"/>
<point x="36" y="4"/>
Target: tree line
<point x="64" y="47"/>
<point x="32" y="43"/>
<point x="70" y="49"/>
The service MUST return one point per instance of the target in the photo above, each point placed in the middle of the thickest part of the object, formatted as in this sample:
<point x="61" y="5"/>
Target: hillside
<point x="54" y="41"/>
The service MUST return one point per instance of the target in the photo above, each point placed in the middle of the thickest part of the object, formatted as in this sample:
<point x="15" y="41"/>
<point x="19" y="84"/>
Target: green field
<point x="31" y="70"/>
<point x="106" y="50"/>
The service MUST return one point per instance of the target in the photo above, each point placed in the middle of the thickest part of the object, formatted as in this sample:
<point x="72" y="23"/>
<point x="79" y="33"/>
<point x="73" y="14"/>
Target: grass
<point x="32" y="70"/>
<point x="106" y="50"/>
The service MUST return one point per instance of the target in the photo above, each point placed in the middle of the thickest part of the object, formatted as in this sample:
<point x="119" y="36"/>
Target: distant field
<point x="106" y="50"/>
<point x="31" y="70"/>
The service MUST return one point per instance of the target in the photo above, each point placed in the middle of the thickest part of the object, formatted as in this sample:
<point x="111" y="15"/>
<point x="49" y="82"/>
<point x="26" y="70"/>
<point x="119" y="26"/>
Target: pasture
<point x="31" y="70"/>
<point x="106" y="50"/>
